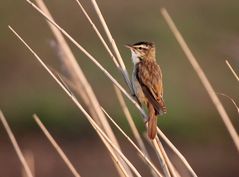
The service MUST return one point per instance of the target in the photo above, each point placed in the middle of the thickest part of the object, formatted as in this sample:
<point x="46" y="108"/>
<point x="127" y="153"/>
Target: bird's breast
<point x="137" y="88"/>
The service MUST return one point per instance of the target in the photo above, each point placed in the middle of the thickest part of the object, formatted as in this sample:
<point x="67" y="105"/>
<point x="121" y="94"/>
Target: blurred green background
<point x="210" y="28"/>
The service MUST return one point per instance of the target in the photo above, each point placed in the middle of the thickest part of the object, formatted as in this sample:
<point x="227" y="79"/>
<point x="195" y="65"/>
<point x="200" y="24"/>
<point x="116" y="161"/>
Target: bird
<point x="147" y="82"/>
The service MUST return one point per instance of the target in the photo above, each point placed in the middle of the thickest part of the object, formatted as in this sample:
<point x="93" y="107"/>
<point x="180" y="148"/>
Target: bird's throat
<point x="135" y="58"/>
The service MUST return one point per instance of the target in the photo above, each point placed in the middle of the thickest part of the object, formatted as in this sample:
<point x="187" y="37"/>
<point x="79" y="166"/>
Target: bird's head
<point x="142" y="51"/>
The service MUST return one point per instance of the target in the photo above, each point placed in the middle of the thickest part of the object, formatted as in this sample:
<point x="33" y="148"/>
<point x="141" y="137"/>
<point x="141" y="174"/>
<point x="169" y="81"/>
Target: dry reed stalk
<point x="115" y="159"/>
<point x="232" y="70"/>
<point x="132" y="125"/>
<point x="117" y="150"/>
<point x="30" y="161"/>
<point x="99" y="131"/>
<point x="236" y="76"/>
<point x="83" y="87"/>
<point x="122" y="171"/>
<point x="98" y="34"/>
<point x="167" y="160"/>
<point x="212" y="94"/>
<point x="134" y="145"/>
<point x="56" y="146"/>
<point x="130" y="121"/>
<point x="177" y="152"/>
<point x="118" y="164"/>
<point x="114" y="123"/>
<point x="160" y="157"/>
<point x="113" y="44"/>
<point x="15" y="145"/>
<point x="169" y="163"/>
<point x="233" y="102"/>
<point x="142" y="154"/>
<point x="90" y="57"/>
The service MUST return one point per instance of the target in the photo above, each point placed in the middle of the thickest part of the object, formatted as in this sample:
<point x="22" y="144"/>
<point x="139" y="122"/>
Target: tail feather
<point x="152" y="127"/>
<point x="152" y="122"/>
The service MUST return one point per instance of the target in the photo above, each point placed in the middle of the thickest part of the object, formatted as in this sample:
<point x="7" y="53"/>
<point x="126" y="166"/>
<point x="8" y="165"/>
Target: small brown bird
<point x="147" y="82"/>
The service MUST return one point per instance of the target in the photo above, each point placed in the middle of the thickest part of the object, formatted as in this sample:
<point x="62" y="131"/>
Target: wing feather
<point x="150" y="78"/>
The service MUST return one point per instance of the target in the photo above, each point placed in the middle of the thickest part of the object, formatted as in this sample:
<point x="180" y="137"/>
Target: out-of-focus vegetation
<point x="210" y="28"/>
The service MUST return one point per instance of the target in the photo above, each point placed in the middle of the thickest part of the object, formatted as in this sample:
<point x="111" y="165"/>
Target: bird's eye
<point x="140" y="48"/>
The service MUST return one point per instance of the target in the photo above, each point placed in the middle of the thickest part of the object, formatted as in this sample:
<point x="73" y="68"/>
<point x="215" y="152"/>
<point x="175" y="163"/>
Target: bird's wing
<point x="150" y="78"/>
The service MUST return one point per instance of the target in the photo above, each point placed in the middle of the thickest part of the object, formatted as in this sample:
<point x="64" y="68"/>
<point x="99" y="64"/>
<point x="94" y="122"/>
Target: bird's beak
<point x="128" y="46"/>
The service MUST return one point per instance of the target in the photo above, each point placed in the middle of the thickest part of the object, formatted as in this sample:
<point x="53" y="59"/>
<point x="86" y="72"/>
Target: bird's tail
<point x="152" y="122"/>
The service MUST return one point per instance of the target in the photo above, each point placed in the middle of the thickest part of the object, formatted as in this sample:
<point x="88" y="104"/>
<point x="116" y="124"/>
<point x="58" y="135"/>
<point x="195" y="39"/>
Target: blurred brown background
<point x="210" y="28"/>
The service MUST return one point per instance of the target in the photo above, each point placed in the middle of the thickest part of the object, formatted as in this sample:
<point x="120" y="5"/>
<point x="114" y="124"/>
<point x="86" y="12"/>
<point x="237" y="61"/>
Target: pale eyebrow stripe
<point x="142" y="46"/>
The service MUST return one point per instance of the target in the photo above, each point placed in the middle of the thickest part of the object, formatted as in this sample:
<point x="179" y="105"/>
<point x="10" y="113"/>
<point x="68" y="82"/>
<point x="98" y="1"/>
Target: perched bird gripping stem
<point x="147" y="82"/>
